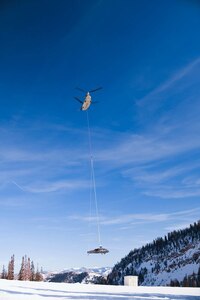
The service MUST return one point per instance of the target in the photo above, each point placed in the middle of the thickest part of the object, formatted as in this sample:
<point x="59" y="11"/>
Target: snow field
<point x="26" y="290"/>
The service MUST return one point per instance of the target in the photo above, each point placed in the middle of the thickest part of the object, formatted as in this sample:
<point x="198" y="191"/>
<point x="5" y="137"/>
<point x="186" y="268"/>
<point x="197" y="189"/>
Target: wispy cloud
<point x="161" y="180"/>
<point x="176" y="77"/>
<point x="152" y="174"/>
<point x="37" y="163"/>
<point x="144" y="148"/>
<point x="37" y="171"/>
<point x="138" y="219"/>
<point x="172" y="192"/>
<point x="48" y="187"/>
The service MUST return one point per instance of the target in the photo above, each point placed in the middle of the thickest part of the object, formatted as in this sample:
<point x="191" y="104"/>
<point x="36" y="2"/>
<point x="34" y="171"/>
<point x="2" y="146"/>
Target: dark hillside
<point x="172" y="260"/>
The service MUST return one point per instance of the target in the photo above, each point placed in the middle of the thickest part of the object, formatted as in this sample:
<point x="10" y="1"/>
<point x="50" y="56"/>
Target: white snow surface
<point x="26" y="290"/>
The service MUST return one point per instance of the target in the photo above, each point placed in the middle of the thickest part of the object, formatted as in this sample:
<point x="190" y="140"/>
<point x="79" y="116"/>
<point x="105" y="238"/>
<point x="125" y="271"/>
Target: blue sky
<point x="145" y="129"/>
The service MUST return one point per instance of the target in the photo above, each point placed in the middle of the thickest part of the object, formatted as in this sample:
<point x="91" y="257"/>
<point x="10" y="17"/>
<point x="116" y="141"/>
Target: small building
<point x="131" y="280"/>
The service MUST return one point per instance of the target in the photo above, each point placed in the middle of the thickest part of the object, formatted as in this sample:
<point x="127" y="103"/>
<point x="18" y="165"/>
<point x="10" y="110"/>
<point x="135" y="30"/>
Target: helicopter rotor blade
<point x="82" y="90"/>
<point x="95" y="90"/>
<point x="78" y="100"/>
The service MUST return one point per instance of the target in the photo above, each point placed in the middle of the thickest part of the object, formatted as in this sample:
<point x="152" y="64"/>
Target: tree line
<point x="188" y="281"/>
<point x="27" y="271"/>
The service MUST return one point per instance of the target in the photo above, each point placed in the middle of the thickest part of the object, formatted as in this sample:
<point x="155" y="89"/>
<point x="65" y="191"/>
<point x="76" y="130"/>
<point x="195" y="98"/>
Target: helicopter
<point x="99" y="250"/>
<point x="88" y="99"/>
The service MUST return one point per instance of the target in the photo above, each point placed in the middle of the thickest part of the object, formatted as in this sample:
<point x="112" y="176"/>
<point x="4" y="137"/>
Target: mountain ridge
<point x="80" y="275"/>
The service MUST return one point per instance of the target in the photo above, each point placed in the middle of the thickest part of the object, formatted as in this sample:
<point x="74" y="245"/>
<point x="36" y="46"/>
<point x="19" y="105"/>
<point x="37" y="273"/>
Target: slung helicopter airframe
<point x="99" y="250"/>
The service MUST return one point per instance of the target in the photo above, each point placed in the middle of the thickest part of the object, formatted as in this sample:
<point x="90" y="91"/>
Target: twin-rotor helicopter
<point x="88" y="99"/>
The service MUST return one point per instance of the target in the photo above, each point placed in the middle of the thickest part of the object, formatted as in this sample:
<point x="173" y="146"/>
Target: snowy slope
<point x="26" y="290"/>
<point x="175" y="258"/>
<point x="177" y="267"/>
<point x="79" y="275"/>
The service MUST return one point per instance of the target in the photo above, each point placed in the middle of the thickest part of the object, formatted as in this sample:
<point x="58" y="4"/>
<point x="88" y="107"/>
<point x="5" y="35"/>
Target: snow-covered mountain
<point x="172" y="260"/>
<point x="81" y="275"/>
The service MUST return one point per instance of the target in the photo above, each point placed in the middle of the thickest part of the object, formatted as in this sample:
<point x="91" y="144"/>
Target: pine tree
<point x="32" y="278"/>
<point x="198" y="278"/>
<point x="21" y="275"/>
<point x="176" y="282"/>
<point x="27" y="271"/>
<point x="38" y="276"/>
<point x="185" y="281"/>
<point x="27" y="268"/>
<point x="4" y="274"/>
<point x="11" y="268"/>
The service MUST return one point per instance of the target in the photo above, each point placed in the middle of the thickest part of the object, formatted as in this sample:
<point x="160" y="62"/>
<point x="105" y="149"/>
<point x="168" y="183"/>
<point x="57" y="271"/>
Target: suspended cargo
<point x="99" y="250"/>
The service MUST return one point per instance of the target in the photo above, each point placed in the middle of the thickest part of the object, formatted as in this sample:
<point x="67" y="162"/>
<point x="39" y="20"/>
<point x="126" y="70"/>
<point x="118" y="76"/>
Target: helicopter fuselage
<point x="99" y="250"/>
<point x="86" y="102"/>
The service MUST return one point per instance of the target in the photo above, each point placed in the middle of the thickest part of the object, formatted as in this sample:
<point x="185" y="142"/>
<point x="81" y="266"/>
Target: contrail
<point x="21" y="188"/>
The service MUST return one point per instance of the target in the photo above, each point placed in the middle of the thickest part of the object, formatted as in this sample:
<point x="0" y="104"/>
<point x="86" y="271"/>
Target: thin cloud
<point x="48" y="187"/>
<point x="171" y="81"/>
<point x="146" y="148"/>
<point x="134" y="219"/>
<point x="164" y="182"/>
<point x="151" y="174"/>
<point x="173" y="193"/>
